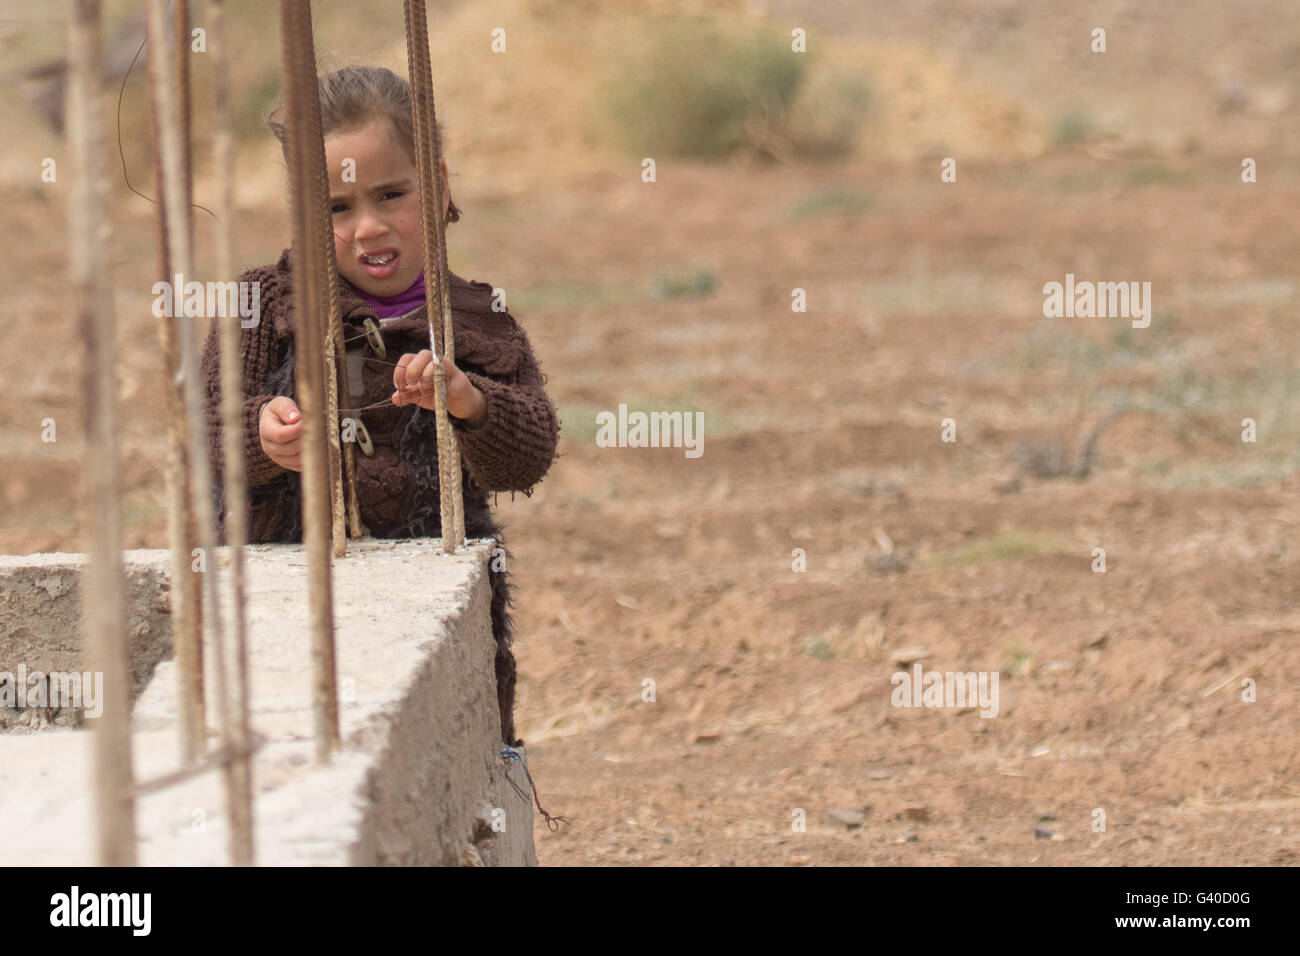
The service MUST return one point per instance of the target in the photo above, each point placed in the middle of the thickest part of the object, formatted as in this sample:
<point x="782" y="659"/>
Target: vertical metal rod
<point x="180" y="75"/>
<point x="428" y="165"/>
<point x="239" y="786"/>
<point x="310" y="282"/>
<point x="335" y="373"/>
<point x="186" y="591"/>
<point x="174" y="192"/>
<point x="336" y="365"/>
<point x="104" y="606"/>
<point x="180" y="49"/>
<point x="343" y="479"/>
<point x="349" y="449"/>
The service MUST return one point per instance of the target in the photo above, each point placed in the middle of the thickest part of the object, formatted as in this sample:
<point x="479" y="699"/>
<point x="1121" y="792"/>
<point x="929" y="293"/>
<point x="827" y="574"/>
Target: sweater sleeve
<point x="513" y="449"/>
<point x="257" y="349"/>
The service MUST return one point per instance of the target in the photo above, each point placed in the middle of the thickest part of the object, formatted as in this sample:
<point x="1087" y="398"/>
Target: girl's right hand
<point x="280" y="428"/>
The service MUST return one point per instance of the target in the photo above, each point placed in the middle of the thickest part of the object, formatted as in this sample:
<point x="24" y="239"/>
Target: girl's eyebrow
<point x="382" y="187"/>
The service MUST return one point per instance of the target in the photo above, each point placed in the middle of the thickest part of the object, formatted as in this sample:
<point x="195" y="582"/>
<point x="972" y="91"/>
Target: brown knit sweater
<point x="397" y="486"/>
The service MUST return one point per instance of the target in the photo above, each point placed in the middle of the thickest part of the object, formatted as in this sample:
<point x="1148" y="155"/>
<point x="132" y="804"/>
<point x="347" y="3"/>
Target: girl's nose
<point x="370" y="226"/>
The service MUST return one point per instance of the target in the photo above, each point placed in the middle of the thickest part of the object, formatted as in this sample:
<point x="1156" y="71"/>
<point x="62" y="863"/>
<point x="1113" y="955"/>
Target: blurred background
<point x="818" y="171"/>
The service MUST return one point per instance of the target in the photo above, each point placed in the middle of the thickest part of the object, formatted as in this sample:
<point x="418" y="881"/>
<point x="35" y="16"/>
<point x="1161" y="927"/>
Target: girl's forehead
<point x="373" y="150"/>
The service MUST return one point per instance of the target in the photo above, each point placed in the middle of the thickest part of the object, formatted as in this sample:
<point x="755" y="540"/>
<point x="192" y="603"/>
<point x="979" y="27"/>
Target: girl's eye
<point x="395" y="194"/>
<point x="337" y="208"/>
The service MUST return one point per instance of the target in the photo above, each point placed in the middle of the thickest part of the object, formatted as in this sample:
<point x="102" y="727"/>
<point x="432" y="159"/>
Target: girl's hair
<point x="355" y="95"/>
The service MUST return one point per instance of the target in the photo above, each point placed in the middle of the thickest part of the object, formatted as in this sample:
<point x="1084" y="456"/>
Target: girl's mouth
<point x="381" y="263"/>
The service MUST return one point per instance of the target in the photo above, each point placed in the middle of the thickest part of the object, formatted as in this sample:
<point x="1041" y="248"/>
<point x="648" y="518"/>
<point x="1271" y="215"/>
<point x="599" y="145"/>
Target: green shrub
<point x="1149" y="174"/>
<point x="697" y="285"/>
<point x="819" y="648"/>
<point x="1072" y="128"/>
<point x="833" y="202"/>
<point x="696" y="92"/>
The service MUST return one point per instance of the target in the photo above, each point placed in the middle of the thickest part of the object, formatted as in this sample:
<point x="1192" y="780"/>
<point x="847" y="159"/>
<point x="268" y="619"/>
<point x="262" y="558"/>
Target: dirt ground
<point x="773" y="687"/>
<point x="1121" y="692"/>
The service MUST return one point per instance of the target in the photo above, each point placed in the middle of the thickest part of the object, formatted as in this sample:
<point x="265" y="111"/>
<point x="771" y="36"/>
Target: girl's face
<point x="375" y="207"/>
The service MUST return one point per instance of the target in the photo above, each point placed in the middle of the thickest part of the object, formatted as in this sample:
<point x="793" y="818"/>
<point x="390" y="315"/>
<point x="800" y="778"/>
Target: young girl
<point x="504" y="423"/>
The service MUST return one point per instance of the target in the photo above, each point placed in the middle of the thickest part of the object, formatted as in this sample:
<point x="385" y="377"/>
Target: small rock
<point x="879" y="775"/>
<point x="1043" y="833"/>
<point x="848" y="819"/>
<point x="798" y="861"/>
<point x="916" y="811"/>
<point x="705" y="738"/>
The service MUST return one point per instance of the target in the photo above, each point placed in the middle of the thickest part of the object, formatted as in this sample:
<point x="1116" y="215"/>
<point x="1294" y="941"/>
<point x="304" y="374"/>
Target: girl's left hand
<point x="413" y="379"/>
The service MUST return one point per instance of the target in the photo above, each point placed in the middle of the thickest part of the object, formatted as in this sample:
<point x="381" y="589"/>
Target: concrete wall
<point x="40" y="618"/>
<point x="420" y="779"/>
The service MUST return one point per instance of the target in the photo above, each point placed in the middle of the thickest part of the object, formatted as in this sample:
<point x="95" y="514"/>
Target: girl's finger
<point x="415" y="370"/>
<point x="279" y="434"/>
<point x="283" y="409"/>
<point x="408" y="393"/>
<point x="284" y="449"/>
<point x="399" y="373"/>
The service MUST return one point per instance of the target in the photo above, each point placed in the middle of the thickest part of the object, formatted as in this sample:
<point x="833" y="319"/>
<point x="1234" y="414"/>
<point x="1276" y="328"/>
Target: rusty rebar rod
<point x="428" y="161"/>
<point x="340" y="387"/>
<point x="234" y="669"/>
<point x="173" y="196"/>
<point x="310" y="284"/>
<point x="186" y="590"/>
<point x="104" y="603"/>
<point x="343" y="514"/>
<point x="220" y="757"/>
